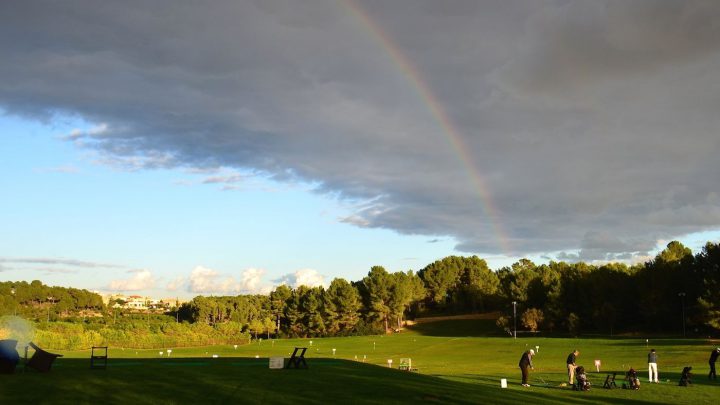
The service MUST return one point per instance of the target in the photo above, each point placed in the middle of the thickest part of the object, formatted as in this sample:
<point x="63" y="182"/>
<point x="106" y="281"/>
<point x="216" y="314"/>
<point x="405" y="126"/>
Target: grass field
<point x="458" y="363"/>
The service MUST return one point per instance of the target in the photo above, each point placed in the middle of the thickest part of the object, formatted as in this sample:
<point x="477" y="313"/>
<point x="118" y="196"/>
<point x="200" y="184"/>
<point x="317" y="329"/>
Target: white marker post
<point x="537" y="349"/>
<point x="160" y="353"/>
<point x="333" y="352"/>
<point x="389" y="363"/>
<point x="597" y="365"/>
<point x="235" y="346"/>
<point x="169" y="351"/>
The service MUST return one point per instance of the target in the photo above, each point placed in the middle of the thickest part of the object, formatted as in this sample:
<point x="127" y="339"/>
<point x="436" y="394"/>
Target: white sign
<point x="503" y="383"/>
<point x="597" y="365"/>
<point x="389" y="362"/>
<point x="277" y="362"/>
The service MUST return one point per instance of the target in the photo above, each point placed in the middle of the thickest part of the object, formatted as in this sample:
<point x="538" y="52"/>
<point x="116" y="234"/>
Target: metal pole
<point x="12" y="291"/>
<point x="514" y="320"/>
<point x="52" y="300"/>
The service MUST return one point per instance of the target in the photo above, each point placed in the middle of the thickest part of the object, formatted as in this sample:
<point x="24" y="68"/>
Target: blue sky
<point x="175" y="151"/>
<point x="62" y="203"/>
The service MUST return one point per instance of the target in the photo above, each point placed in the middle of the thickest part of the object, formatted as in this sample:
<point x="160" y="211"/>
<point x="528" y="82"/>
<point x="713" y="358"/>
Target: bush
<point x="532" y="318"/>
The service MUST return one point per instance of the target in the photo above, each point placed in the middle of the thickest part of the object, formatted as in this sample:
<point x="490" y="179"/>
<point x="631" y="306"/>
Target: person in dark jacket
<point x="572" y="357"/>
<point x="713" y="358"/>
<point x="685" y="377"/>
<point x="526" y="365"/>
<point x="652" y="366"/>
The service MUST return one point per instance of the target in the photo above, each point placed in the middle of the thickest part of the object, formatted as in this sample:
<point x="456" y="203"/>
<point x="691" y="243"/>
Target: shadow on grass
<point x="659" y="342"/>
<point x="243" y="380"/>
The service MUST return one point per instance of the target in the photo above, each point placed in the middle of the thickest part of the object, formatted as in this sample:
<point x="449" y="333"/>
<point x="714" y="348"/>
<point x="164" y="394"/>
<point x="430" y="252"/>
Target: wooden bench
<point x="297" y="359"/>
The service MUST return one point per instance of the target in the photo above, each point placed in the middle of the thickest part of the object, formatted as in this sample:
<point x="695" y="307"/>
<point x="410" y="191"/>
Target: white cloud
<point x="175" y="284"/>
<point x="77" y="133"/>
<point x="227" y="179"/>
<point x="141" y="280"/>
<point x="205" y="280"/>
<point x="250" y="279"/>
<point x="306" y="277"/>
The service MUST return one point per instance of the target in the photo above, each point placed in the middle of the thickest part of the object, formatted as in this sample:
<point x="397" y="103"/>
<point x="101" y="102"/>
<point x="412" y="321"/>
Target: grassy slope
<point x="457" y="363"/>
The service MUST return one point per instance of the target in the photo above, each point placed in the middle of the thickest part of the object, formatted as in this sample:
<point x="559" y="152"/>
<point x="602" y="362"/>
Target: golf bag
<point x="685" y="377"/>
<point x="582" y="383"/>
<point x="633" y="382"/>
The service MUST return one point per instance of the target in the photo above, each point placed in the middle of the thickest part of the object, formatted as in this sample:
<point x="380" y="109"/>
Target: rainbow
<point x="441" y="116"/>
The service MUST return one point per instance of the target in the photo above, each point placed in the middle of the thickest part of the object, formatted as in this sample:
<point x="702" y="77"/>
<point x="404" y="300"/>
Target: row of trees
<point x="35" y="300"/>
<point x="378" y="302"/>
<point x="136" y="331"/>
<point x="674" y="290"/>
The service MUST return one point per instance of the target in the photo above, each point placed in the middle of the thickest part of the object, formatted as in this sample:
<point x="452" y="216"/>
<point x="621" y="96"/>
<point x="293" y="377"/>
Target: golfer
<point x="713" y="358"/>
<point x="572" y="357"/>
<point x="525" y="364"/>
<point x="652" y="366"/>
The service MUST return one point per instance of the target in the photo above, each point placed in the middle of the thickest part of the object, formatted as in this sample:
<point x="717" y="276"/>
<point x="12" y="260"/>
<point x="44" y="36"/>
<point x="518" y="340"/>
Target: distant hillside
<point x="38" y="301"/>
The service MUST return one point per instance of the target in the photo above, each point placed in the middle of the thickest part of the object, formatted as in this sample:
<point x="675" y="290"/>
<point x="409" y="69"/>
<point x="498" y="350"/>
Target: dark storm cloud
<point x="592" y="123"/>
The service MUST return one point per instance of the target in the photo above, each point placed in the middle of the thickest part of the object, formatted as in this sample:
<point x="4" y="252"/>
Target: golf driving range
<point x="457" y="361"/>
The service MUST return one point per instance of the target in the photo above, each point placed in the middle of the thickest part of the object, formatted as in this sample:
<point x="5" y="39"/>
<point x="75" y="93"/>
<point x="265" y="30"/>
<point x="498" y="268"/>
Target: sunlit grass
<point x="464" y="368"/>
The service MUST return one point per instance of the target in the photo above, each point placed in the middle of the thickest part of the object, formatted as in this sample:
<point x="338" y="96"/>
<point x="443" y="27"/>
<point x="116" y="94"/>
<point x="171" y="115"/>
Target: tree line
<point x="673" y="291"/>
<point x="676" y="290"/>
<point x="35" y="300"/>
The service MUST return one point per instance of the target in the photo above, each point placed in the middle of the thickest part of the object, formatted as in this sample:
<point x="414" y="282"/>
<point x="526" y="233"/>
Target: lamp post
<point x="12" y="291"/>
<point x="682" y="303"/>
<point x="514" y="319"/>
<point x="52" y="300"/>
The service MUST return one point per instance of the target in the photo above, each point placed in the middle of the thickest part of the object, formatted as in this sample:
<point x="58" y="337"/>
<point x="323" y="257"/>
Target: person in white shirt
<point x="652" y="366"/>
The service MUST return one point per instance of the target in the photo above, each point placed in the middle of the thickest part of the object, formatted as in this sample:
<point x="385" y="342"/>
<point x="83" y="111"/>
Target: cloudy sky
<point x="191" y="147"/>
